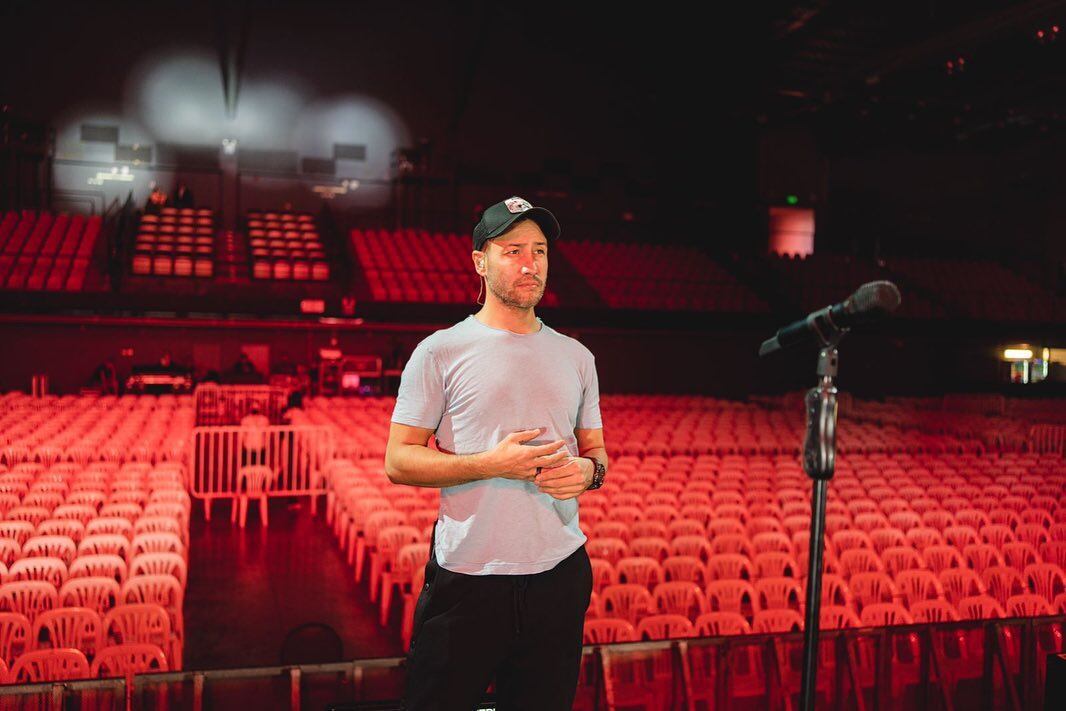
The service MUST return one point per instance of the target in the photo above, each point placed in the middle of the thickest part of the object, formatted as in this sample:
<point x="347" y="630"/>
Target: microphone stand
<point x="819" y="454"/>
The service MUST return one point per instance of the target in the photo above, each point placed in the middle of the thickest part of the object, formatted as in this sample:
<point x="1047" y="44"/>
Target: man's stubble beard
<point x="510" y="297"/>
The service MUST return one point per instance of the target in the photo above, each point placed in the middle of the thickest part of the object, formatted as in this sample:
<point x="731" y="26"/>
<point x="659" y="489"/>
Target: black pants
<point x="524" y="631"/>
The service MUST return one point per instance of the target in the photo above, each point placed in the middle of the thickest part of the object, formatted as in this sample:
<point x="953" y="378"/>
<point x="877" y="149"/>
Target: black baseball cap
<point x="498" y="218"/>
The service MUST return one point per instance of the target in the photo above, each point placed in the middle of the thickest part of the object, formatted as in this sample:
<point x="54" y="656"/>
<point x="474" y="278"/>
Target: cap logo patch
<point x="516" y="205"/>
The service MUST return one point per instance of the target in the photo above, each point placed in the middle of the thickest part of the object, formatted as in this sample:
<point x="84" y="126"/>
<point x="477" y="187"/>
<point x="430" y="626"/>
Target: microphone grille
<point x="880" y="297"/>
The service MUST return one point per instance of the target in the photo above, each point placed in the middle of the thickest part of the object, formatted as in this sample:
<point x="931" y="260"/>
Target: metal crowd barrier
<point x="227" y="404"/>
<point x="983" y="664"/>
<point x="295" y="456"/>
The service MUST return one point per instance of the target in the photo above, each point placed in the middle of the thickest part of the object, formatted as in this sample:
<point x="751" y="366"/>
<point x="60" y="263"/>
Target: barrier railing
<point x="227" y="404"/>
<point x="1047" y="438"/>
<point x="294" y="455"/>
<point x="984" y="664"/>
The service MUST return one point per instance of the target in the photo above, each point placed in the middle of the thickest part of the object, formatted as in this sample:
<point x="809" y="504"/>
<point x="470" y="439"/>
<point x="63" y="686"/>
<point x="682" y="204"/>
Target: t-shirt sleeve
<point x="588" y="415"/>
<point x="420" y="401"/>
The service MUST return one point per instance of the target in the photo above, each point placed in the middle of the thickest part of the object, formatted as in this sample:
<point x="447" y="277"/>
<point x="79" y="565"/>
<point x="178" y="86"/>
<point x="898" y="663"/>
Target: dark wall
<point x="895" y="359"/>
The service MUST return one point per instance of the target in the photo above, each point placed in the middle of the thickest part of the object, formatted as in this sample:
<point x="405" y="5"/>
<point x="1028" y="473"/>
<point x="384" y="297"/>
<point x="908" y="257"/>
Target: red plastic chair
<point x="103" y="565"/>
<point x="932" y="611"/>
<point x="105" y="544"/>
<point x="679" y="598"/>
<point x="774" y="621"/>
<point x="162" y="590"/>
<point x="50" y="665"/>
<point x="67" y="528"/>
<point x="860" y="560"/>
<point x="721" y="624"/>
<point x="649" y="547"/>
<point x="919" y="585"/>
<point x="96" y="593"/>
<point x="685" y="567"/>
<point x="156" y="543"/>
<point x="732" y="596"/>
<point x="609" y="549"/>
<point x="1028" y="605"/>
<point x="1020" y="554"/>
<point x="958" y="583"/>
<point x="374" y="523"/>
<point x="981" y="556"/>
<point x="697" y="546"/>
<point x="383" y="555"/>
<point x="111" y="525"/>
<point x="885" y="538"/>
<point x="1054" y="552"/>
<point x="1032" y="533"/>
<point x="49" y="570"/>
<point x="127" y="659"/>
<point x="778" y="594"/>
<point x="15" y="637"/>
<point x="939" y="558"/>
<point x="884" y="614"/>
<point x="775" y="564"/>
<point x="639" y="570"/>
<point x="850" y="539"/>
<point x="922" y="537"/>
<point x="835" y="617"/>
<point x="974" y="518"/>
<point x="608" y="631"/>
<point x="897" y="559"/>
<point x="997" y="535"/>
<point x="664" y="626"/>
<point x="411" y="558"/>
<point x="627" y="602"/>
<point x="980" y="607"/>
<point x="143" y="624"/>
<point x="28" y="597"/>
<point x="171" y="564"/>
<point x="684" y="527"/>
<point x="872" y="588"/>
<point x="1002" y="582"/>
<point x="612" y="529"/>
<point x="770" y="542"/>
<point x="1045" y="579"/>
<point x="603" y="574"/>
<point x="77" y="627"/>
<point x="729" y="566"/>
<point x="650" y="528"/>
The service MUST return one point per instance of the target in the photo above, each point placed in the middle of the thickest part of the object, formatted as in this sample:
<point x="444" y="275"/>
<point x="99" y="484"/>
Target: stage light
<point x="792" y="200"/>
<point x="1017" y="354"/>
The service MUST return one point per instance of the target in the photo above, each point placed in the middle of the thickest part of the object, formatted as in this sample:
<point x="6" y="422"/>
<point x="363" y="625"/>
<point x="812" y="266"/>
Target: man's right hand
<point x="511" y="459"/>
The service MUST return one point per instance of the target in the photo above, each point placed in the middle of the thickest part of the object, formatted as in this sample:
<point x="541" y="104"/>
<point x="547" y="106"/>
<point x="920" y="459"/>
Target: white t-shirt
<point x="473" y="385"/>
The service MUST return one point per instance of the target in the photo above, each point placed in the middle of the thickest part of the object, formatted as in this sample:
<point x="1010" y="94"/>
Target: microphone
<point x="870" y="302"/>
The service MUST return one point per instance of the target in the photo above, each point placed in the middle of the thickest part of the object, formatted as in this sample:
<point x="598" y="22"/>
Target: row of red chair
<point x="42" y="251"/>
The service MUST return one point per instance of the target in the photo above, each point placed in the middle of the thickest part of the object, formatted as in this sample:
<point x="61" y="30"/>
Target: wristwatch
<point x="598" y="474"/>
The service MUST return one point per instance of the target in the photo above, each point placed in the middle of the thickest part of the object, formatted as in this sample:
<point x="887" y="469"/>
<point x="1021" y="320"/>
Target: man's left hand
<point x="566" y="480"/>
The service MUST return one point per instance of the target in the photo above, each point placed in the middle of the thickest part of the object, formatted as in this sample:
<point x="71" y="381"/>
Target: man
<point x="515" y="409"/>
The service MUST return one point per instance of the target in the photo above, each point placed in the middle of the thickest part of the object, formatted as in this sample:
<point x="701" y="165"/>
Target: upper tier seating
<point x="982" y="290"/>
<point x="176" y="242"/>
<point x="45" y="251"/>
<point x="286" y="245"/>
<point x="414" y="265"/>
<point x="664" y="277"/>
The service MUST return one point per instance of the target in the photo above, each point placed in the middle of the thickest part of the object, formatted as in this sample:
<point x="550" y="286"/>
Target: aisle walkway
<point x="247" y="589"/>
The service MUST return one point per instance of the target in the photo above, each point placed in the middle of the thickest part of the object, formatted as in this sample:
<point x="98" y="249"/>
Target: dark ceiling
<point x="936" y="74"/>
